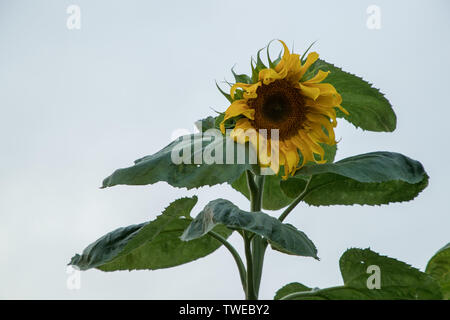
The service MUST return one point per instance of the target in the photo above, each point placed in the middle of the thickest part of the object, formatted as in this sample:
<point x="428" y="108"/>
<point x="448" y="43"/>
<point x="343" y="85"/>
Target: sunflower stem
<point x="295" y="202"/>
<point x="236" y="256"/>
<point x="255" y="244"/>
<point x="250" y="290"/>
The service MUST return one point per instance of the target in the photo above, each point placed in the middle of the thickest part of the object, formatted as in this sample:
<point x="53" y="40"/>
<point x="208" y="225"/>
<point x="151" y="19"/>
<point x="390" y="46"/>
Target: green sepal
<point x="226" y="95"/>
<point x="258" y="67"/>
<point x="242" y="78"/>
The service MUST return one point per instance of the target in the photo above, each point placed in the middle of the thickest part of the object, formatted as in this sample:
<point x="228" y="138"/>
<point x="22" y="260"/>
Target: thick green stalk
<point x="258" y="244"/>
<point x="236" y="256"/>
<point x="295" y="202"/>
<point x="253" y="189"/>
<point x="250" y="292"/>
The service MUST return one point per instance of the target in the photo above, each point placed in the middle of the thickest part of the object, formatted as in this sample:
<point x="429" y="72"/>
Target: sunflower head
<point x="285" y="116"/>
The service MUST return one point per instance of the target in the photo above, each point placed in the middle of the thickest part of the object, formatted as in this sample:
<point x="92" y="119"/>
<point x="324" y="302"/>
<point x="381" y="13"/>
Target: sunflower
<point x="301" y="110"/>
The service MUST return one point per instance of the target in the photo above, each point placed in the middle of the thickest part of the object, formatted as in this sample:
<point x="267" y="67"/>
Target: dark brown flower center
<point x="280" y="106"/>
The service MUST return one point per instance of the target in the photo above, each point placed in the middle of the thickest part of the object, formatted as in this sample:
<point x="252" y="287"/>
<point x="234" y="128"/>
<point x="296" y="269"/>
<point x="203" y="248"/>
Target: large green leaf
<point x="282" y="236"/>
<point x="150" y="245"/>
<point x="367" y="106"/>
<point x="192" y="169"/>
<point x="372" y="178"/>
<point x="439" y="268"/>
<point x="397" y="281"/>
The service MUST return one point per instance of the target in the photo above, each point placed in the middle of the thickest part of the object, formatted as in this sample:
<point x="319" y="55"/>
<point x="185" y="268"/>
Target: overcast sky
<point x="77" y="104"/>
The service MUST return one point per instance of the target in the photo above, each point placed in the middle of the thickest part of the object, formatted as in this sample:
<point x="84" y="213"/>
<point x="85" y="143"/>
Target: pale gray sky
<point x="77" y="104"/>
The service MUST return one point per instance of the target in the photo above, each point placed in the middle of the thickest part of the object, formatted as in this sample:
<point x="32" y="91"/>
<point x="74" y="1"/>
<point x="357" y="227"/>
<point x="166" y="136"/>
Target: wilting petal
<point x="312" y="57"/>
<point x="325" y="88"/>
<point x="267" y="76"/>
<point x="319" y="77"/>
<point x="238" y="107"/>
<point x="309" y="92"/>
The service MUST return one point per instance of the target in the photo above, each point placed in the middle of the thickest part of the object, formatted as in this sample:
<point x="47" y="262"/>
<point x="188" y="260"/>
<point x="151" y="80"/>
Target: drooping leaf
<point x="367" y="106"/>
<point x="150" y="245"/>
<point x="281" y="235"/>
<point x="439" y="268"/>
<point x="372" y="178"/>
<point x="359" y="267"/>
<point x="191" y="161"/>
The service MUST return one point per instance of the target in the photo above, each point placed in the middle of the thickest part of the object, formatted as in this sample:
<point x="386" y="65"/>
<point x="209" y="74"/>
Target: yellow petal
<point x="316" y="148"/>
<point x="268" y="76"/>
<point x="243" y="132"/>
<point x="325" y="88"/>
<point x="312" y="57"/>
<point x="290" y="151"/>
<point x="248" y="87"/>
<point x="323" y="110"/>
<point x="329" y="100"/>
<point x="342" y="109"/>
<point x="319" y="77"/>
<point x="289" y="66"/>
<point x="284" y="59"/>
<point x="305" y="150"/>
<point x="238" y="107"/>
<point x="309" y="92"/>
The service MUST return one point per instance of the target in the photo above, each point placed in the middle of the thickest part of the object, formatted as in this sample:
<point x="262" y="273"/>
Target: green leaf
<point x="397" y="280"/>
<point x="150" y="245"/>
<point x="220" y="211"/>
<point x="190" y="169"/>
<point x="289" y="289"/>
<point x="439" y="268"/>
<point x="373" y="178"/>
<point x="367" y="106"/>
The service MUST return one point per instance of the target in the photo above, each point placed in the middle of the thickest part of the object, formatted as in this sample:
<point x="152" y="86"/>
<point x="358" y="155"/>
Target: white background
<point x="77" y="104"/>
